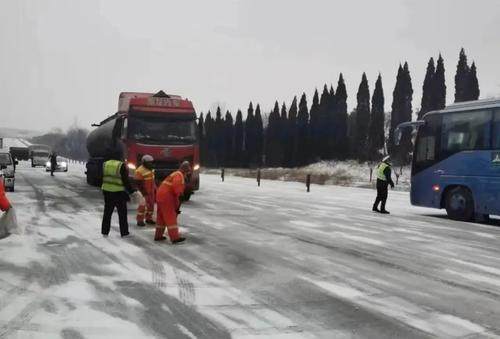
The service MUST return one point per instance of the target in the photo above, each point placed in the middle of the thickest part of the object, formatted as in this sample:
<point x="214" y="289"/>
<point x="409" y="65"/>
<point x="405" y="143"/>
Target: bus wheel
<point x="460" y="204"/>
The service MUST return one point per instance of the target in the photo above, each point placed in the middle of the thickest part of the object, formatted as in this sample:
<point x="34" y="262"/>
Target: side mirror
<point x="397" y="136"/>
<point x="398" y="132"/>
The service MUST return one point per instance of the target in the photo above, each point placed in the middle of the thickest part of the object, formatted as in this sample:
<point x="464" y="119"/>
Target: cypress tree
<point x="291" y="144"/>
<point x="329" y="128"/>
<point x="376" y="139"/>
<point x="259" y="137"/>
<point x="219" y="138"/>
<point x="238" y="140"/>
<point x="472" y="84"/>
<point x="362" y="118"/>
<point x="427" y="103"/>
<point x="201" y="139"/>
<point x="395" y="110"/>
<point x="341" y="149"/>
<point x="273" y="137"/>
<point x="439" y="86"/>
<point x="401" y="112"/>
<point x="324" y="124"/>
<point x="249" y="135"/>
<point x="210" y="142"/>
<point x="303" y="142"/>
<point x="228" y="139"/>
<point x="461" y="77"/>
<point x="283" y="134"/>
<point x="314" y="126"/>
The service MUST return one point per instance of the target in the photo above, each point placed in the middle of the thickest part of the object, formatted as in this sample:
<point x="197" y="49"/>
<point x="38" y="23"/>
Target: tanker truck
<point x="161" y="125"/>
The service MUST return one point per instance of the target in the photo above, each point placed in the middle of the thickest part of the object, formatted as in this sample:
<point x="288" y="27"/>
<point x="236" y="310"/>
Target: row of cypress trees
<point x="296" y="136"/>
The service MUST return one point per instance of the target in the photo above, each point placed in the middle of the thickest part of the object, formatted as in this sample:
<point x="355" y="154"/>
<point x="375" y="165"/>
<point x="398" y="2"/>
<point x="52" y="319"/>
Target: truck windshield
<point x="5" y="159"/>
<point x="40" y="154"/>
<point x="161" y="130"/>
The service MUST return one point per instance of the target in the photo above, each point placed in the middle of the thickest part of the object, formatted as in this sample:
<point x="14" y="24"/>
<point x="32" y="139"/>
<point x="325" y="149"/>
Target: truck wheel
<point x="186" y="196"/>
<point x="460" y="204"/>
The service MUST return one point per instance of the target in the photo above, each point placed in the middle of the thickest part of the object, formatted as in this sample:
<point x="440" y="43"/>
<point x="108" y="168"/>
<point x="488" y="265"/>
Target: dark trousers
<point x="52" y="169"/>
<point x="112" y="200"/>
<point x="382" y="191"/>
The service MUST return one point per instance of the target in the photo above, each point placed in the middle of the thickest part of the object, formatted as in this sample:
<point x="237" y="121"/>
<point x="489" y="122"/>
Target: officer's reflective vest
<point x="380" y="171"/>
<point x="112" y="179"/>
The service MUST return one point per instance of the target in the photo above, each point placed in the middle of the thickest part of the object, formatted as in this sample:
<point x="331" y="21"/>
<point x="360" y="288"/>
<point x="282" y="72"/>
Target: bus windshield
<point x="161" y="130"/>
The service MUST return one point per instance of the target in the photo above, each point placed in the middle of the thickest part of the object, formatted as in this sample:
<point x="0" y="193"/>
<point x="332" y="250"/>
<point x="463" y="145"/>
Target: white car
<point x="7" y="166"/>
<point x="62" y="165"/>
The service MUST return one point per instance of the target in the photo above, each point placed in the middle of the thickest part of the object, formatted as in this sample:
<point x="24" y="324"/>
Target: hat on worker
<point x="185" y="166"/>
<point x="387" y="158"/>
<point x="147" y="158"/>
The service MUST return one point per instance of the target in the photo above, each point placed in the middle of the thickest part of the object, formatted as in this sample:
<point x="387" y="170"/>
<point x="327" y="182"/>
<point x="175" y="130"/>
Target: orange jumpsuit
<point x="145" y="179"/>
<point x="168" y="203"/>
<point x="4" y="202"/>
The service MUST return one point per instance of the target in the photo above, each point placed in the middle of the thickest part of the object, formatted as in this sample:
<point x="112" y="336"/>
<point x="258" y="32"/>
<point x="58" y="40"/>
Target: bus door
<point x="494" y="167"/>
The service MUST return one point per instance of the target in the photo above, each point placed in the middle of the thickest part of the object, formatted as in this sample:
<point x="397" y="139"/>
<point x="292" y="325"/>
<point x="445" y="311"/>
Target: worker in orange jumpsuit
<point x="4" y="202"/>
<point x="168" y="204"/>
<point x="145" y="180"/>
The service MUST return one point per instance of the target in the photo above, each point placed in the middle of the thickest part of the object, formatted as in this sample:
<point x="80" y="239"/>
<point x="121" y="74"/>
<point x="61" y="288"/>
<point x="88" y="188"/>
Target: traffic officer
<point x="383" y="180"/>
<point x="168" y="203"/>
<point x="145" y="180"/>
<point x="116" y="189"/>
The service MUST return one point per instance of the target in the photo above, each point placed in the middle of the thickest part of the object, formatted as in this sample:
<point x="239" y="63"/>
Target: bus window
<point x="496" y="130"/>
<point x="465" y="131"/>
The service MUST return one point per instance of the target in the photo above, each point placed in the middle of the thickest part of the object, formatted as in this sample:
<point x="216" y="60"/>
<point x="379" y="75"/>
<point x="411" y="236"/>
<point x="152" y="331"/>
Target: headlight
<point x="64" y="164"/>
<point x="196" y="167"/>
<point x="131" y="166"/>
<point x="47" y="164"/>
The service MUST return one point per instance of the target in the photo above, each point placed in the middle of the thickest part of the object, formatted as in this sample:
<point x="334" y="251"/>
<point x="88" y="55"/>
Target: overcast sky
<point x="66" y="61"/>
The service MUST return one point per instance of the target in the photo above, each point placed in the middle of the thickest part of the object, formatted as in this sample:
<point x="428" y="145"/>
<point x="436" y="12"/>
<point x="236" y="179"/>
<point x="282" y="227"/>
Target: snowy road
<point x="262" y="262"/>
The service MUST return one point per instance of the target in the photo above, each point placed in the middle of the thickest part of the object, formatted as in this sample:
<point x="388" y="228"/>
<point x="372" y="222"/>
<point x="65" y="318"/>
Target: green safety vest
<point x="380" y="171"/>
<point x="111" y="178"/>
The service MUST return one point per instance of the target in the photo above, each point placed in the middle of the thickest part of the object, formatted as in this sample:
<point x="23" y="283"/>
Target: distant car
<point x="62" y="165"/>
<point x="8" y="170"/>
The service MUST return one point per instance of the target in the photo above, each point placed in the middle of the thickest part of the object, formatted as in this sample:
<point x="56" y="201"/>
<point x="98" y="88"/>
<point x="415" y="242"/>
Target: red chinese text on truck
<point x="161" y="125"/>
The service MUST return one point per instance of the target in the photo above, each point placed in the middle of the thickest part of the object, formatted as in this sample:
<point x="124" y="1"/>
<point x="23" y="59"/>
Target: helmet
<point x="185" y="166"/>
<point x="386" y="159"/>
<point x="147" y="158"/>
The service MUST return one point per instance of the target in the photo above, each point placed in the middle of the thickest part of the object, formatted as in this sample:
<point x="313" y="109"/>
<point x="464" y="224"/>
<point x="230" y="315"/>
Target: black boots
<point x="176" y="241"/>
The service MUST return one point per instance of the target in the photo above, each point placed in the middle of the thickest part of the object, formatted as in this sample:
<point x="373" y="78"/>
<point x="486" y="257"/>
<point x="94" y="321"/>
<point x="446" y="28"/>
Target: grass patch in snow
<point x="343" y="173"/>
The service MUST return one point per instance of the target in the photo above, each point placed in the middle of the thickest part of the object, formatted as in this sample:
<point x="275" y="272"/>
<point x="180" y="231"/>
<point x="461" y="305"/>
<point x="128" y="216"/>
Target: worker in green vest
<point x="116" y="189"/>
<point x="383" y="181"/>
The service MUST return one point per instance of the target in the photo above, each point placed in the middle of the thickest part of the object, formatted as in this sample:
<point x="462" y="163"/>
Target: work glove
<point x="392" y="185"/>
<point x="137" y="197"/>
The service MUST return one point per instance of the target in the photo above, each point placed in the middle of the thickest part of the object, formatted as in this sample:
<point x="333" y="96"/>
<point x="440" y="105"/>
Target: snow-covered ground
<point x="267" y="262"/>
<point x="349" y="173"/>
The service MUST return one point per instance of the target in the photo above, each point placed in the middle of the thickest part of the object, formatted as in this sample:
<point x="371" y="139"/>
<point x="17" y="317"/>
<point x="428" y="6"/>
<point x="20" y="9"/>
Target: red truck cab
<point x="161" y="125"/>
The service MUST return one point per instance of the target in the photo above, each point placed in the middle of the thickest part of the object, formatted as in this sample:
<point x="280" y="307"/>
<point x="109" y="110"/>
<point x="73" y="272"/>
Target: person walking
<point x="53" y="163"/>
<point x="116" y="189"/>
<point x="168" y="204"/>
<point x="383" y="181"/>
<point x="145" y="181"/>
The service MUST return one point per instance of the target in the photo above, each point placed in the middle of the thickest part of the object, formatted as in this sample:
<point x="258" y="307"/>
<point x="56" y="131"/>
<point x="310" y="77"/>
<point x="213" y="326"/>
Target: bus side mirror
<point x="398" y="132"/>
<point x="397" y="136"/>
